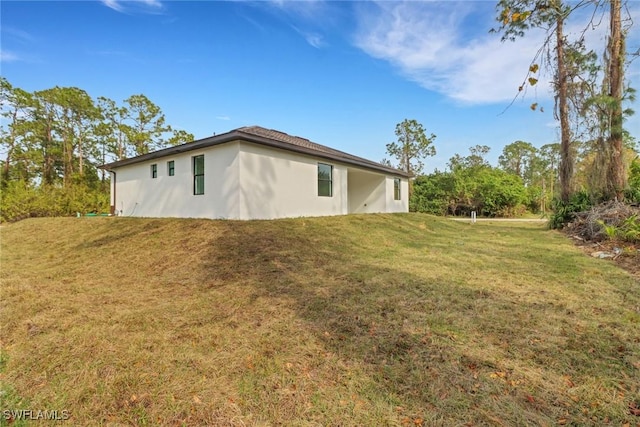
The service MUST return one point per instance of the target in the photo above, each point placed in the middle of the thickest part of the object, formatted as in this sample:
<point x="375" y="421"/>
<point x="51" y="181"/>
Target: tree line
<point x="526" y="179"/>
<point x="52" y="141"/>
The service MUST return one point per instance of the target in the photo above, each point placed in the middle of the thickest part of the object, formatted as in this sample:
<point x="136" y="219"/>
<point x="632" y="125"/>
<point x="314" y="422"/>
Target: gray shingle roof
<point x="268" y="137"/>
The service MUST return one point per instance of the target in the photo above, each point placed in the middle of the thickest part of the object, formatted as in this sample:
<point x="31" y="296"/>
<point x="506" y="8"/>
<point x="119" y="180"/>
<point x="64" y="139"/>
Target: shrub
<point x="20" y="201"/>
<point x="563" y="212"/>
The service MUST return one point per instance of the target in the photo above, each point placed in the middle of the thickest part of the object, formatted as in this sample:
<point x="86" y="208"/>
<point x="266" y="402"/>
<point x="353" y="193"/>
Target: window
<point x="198" y="174"/>
<point x="396" y="189"/>
<point x="325" y="178"/>
<point x="171" y="168"/>
<point x="154" y="170"/>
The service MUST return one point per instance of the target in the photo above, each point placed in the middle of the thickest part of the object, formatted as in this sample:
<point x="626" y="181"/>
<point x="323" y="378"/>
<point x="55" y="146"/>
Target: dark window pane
<point x="324" y="188"/>
<point x="325" y="178"/>
<point x="198" y="165"/>
<point x="198" y="174"/>
<point x="198" y="184"/>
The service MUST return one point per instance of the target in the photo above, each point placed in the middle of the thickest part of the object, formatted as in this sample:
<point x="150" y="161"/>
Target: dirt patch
<point x="624" y="254"/>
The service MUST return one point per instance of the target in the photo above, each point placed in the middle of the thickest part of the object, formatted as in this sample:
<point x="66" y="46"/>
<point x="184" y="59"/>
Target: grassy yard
<point x="403" y="320"/>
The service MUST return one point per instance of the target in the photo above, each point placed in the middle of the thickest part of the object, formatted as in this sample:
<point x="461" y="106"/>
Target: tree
<point x="113" y="129"/>
<point x="616" y="50"/>
<point x="475" y="160"/>
<point x="412" y="146"/>
<point x="180" y="137"/>
<point x="516" y="158"/>
<point x="516" y="17"/>
<point x="386" y="162"/>
<point x="15" y="105"/>
<point x="599" y="111"/>
<point x="53" y="139"/>
<point x="148" y="124"/>
<point x="67" y="115"/>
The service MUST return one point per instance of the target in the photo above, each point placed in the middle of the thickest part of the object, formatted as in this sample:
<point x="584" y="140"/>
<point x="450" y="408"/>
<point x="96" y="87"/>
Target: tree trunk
<point x="47" y="157"/>
<point x="566" y="158"/>
<point x="616" y="173"/>
<point x="12" y="138"/>
<point x="80" y="155"/>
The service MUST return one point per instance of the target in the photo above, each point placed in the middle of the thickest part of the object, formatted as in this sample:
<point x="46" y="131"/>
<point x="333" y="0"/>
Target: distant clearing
<point x="356" y="320"/>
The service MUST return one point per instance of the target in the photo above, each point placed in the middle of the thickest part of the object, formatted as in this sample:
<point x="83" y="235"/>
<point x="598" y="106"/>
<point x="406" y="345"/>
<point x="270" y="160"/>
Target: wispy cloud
<point x="429" y="43"/>
<point x="17" y="39"/>
<point x="309" y="18"/>
<point x="18" y="34"/>
<point x="306" y="9"/>
<point x="149" y="6"/>
<point x="6" y="56"/>
<point x="113" y="4"/>
<point x="314" y="39"/>
<point x="226" y="118"/>
<point x="426" y="42"/>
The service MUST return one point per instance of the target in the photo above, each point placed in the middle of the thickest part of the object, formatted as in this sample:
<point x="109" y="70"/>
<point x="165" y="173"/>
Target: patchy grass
<point x="357" y="320"/>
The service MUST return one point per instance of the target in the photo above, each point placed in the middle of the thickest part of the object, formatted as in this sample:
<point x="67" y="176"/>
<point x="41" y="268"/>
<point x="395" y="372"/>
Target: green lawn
<point x="402" y="319"/>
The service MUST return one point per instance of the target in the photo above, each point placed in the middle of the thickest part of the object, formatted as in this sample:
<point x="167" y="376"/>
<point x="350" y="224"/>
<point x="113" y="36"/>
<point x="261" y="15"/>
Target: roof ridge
<point x="272" y="137"/>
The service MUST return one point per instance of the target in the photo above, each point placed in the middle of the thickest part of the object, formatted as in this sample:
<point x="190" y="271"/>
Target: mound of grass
<point x="357" y="320"/>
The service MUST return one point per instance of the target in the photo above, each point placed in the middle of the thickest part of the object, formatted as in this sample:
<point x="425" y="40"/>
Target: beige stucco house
<point x="253" y="173"/>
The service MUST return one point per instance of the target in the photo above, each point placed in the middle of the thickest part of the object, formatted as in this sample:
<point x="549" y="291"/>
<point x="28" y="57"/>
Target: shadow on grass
<point x="423" y="340"/>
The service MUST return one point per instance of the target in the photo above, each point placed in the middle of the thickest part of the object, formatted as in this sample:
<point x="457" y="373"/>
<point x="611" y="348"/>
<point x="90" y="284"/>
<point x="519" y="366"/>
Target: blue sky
<point x="342" y="74"/>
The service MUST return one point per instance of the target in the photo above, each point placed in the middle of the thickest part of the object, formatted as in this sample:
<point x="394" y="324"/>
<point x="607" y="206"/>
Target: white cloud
<point x="6" y="56"/>
<point x="309" y="18"/>
<point x="145" y="5"/>
<point x="152" y="3"/>
<point x="306" y="9"/>
<point x="226" y="118"/>
<point x="314" y="39"/>
<point x="113" y="4"/>
<point x="426" y="41"/>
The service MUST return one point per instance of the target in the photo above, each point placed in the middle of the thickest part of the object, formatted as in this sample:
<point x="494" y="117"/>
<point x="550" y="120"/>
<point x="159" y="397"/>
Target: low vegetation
<point x="401" y="319"/>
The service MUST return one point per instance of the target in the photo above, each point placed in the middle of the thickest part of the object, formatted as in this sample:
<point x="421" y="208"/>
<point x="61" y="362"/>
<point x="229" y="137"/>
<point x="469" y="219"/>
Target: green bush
<point x="633" y="192"/>
<point x="430" y="194"/>
<point x="499" y="193"/>
<point x="20" y="201"/>
<point x="563" y="212"/>
<point x="487" y="190"/>
<point x="628" y="230"/>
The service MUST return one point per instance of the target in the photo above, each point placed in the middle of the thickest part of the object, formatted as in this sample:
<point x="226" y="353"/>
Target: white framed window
<point x="325" y="180"/>
<point x="198" y="175"/>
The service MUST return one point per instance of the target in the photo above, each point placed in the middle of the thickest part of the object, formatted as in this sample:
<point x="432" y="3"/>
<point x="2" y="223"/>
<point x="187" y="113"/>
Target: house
<point x="253" y="173"/>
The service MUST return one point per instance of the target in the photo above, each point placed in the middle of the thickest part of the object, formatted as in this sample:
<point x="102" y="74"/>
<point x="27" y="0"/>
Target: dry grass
<point x="356" y="320"/>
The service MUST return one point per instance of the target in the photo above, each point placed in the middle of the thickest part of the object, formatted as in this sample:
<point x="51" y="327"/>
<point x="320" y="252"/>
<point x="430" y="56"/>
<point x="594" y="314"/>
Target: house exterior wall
<point x="249" y="181"/>
<point x="138" y="194"/>
<point x="276" y="184"/>
<point x="367" y="192"/>
<point x="395" y="206"/>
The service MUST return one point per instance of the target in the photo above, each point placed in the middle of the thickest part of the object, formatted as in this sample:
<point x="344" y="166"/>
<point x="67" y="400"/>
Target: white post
<point x="473" y="217"/>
